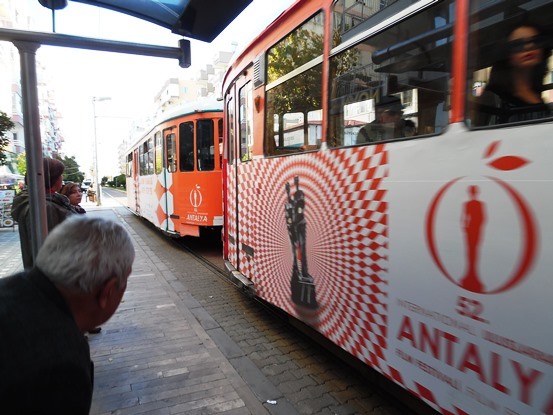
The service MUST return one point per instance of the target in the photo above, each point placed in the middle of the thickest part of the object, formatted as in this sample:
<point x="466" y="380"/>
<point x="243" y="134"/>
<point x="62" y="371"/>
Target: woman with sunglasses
<point x="513" y="92"/>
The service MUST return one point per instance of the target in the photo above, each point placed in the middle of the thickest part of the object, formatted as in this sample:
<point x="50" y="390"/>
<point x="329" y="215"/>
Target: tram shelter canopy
<point x="197" y="19"/>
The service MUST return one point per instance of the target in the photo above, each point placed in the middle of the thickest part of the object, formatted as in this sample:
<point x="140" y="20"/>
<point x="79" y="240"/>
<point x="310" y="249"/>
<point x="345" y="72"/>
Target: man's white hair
<point x="83" y="252"/>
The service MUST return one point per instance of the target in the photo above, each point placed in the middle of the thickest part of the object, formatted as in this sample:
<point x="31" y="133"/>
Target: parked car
<point x="85" y="185"/>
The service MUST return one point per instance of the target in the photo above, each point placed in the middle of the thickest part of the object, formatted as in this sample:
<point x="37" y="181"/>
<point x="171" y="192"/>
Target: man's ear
<point x="106" y="292"/>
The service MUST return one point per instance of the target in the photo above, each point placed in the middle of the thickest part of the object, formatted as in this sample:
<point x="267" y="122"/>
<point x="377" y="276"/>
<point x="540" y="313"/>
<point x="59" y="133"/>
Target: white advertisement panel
<point x="470" y="300"/>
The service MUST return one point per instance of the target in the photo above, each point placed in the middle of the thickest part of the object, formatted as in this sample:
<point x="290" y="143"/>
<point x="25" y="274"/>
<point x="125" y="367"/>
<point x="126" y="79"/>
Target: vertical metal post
<point x="97" y="174"/>
<point x="33" y="144"/>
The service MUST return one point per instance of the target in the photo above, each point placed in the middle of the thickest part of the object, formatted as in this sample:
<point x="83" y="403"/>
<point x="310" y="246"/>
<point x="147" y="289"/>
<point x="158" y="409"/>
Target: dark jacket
<point x="58" y="208"/>
<point x="495" y="108"/>
<point x="45" y="365"/>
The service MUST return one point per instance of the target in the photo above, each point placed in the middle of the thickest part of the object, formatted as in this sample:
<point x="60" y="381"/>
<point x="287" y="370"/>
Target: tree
<point x="22" y="163"/>
<point x="72" y="171"/>
<point x="118" y="181"/>
<point x="5" y="125"/>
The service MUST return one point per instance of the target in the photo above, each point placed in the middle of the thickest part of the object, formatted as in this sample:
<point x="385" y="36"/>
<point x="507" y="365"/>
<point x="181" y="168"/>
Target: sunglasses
<point x="519" y="45"/>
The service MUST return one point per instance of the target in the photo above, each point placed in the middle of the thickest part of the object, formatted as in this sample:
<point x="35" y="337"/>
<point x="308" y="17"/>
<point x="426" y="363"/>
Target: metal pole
<point x="33" y="144"/>
<point x="98" y="202"/>
<point x="97" y="179"/>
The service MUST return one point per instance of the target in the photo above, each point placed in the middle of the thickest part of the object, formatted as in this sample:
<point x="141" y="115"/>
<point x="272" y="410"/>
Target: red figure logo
<point x="473" y="223"/>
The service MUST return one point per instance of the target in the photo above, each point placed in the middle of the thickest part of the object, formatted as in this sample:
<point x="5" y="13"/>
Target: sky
<point x="131" y="82"/>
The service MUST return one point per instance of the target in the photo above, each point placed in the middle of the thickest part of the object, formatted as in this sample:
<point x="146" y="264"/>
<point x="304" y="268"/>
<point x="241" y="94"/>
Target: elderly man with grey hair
<point x="77" y="283"/>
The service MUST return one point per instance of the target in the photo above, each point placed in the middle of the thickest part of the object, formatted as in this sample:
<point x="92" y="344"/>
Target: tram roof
<point x="186" y="108"/>
<point x="198" y="19"/>
<point x="191" y="107"/>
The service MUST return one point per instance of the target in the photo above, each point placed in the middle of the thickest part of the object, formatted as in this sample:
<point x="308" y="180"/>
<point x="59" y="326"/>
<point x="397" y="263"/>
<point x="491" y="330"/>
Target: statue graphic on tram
<point x="301" y="283"/>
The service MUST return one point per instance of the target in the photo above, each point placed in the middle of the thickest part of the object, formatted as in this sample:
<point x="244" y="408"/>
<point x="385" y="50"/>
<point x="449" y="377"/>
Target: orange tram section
<point x="174" y="170"/>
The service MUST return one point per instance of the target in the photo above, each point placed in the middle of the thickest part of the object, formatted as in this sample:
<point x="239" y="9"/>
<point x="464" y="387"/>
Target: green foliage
<point x="119" y="182"/>
<point x="5" y="125"/>
<point x="72" y="171"/>
<point x="302" y="92"/>
<point x="22" y="163"/>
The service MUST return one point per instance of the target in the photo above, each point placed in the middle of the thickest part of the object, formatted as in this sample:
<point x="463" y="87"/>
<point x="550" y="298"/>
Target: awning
<point x="198" y="19"/>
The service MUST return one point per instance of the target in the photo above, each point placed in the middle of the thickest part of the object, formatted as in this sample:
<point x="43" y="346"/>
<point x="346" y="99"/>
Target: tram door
<point x="170" y="167"/>
<point x="136" y="180"/>
<point x="239" y="106"/>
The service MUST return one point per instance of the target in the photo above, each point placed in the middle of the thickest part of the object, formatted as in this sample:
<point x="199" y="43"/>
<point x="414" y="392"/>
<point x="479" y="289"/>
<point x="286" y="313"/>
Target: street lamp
<point x="96" y="175"/>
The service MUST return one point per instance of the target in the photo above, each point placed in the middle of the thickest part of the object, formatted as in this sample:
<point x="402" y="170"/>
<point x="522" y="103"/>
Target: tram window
<point x="205" y="151"/>
<point x="149" y="155"/>
<point x="220" y="141"/>
<point x="395" y="84"/>
<point x="158" y="153"/>
<point x="354" y="16"/>
<point x="186" y="146"/>
<point x="231" y="136"/>
<point x="294" y="93"/>
<point x="129" y="165"/>
<point x="246" y="119"/>
<point x="501" y="41"/>
<point x="171" y="149"/>
<point x="141" y="160"/>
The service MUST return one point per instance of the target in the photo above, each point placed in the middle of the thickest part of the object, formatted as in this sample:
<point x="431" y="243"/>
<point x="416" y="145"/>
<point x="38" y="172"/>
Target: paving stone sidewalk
<point x="153" y="356"/>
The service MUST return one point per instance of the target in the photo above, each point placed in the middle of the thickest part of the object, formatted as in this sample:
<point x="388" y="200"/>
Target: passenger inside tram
<point x="388" y="122"/>
<point x="514" y="90"/>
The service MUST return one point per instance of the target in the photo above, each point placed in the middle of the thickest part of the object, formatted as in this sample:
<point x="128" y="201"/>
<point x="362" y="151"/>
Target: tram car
<point x="174" y="170"/>
<point x="382" y="186"/>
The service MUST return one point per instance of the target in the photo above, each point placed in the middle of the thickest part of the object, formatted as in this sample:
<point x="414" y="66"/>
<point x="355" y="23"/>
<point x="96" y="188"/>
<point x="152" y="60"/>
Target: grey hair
<point x="83" y="252"/>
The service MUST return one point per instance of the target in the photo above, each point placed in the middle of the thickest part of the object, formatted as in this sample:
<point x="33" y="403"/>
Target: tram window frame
<point x="487" y="47"/>
<point x="186" y="146"/>
<point x="149" y="145"/>
<point x="129" y="165"/>
<point x="295" y="89"/>
<point x="158" y="154"/>
<point x="171" y="152"/>
<point x="245" y="113"/>
<point x="205" y="149"/>
<point x="231" y="131"/>
<point x="408" y="57"/>
<point x="220" y="142"/>
<point x="141" y="160"/>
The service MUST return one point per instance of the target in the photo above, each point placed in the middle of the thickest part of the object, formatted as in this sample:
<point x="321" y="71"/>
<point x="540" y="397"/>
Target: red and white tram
<point x="174" y="170"/>
<point x="422" y="245"/>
